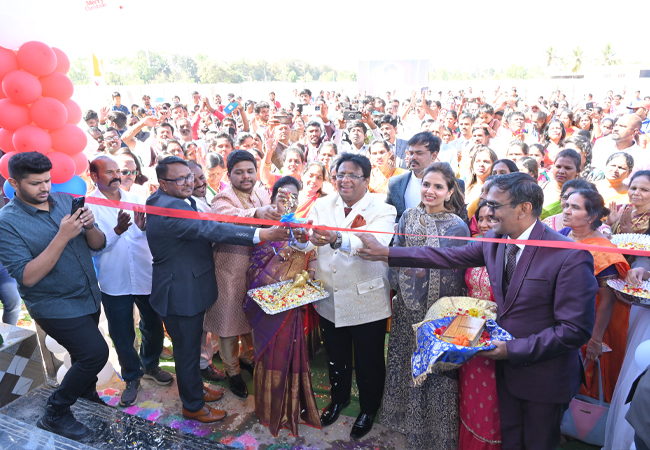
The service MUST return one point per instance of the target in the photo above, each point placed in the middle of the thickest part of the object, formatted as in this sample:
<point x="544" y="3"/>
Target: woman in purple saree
<point x="284" y="396"/>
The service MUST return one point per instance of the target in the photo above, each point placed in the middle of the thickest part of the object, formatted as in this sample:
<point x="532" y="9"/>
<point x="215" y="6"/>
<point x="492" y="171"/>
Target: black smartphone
<point x="77" y="204"/>
<point x="284" y="120"/>
<point x="590" y="105"/>
<point x="352" y="115"/>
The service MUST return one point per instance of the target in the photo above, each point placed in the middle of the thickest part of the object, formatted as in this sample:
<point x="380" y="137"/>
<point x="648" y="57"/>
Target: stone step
<point x="110" y="428"/>
<point x="17" y="435"/>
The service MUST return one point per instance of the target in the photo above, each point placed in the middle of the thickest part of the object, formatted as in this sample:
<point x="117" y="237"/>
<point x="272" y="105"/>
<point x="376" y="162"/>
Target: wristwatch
<point x="337" y="243"/>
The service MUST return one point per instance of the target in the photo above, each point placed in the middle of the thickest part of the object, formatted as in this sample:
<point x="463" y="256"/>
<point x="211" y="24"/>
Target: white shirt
<point x="449" y="154"/>
<point x="124" y="267"/>
<point x="413" y="196"/>
<point x="143" y="151"/>
<point x="606" y="146"/>
<point x="523" y="237"/>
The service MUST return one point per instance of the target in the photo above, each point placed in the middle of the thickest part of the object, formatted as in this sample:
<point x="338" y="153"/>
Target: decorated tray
<point x="278" y="297"/>
<point x="639" y="295"/>
<point x="632" y="241"/>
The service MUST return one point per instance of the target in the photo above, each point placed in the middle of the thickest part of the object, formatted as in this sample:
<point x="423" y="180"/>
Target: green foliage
<point x="152" y="67"/>
<point x="515" y="71"/>
<point x="80" y="71"/>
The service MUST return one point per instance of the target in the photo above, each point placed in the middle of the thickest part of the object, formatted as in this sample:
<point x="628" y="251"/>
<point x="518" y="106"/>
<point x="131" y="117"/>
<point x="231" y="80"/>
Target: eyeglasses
<point x="493" y="206"/>
<point x="182" y="181"/>
<point x="111" y="138"/>
<point x="126" y="173"/>
<point x="343" y="176"/>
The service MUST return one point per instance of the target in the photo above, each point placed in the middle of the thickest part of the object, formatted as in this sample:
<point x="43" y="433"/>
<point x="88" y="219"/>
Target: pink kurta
<point x="226" y="317"/>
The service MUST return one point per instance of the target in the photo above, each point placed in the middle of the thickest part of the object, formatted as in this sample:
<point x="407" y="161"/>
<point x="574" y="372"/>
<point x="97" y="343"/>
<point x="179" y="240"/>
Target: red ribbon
<point x="182" y="214"/>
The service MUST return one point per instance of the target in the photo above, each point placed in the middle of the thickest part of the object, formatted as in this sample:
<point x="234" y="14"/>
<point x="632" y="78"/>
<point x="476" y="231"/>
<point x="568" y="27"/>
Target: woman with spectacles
<point x="284" y="395"/>
<point x="427" y="414"/>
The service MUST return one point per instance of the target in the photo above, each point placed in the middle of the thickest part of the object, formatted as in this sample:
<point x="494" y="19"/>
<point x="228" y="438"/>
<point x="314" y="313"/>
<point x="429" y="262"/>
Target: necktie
<point x="347" y="210"/>
<point x="511" y="264"/>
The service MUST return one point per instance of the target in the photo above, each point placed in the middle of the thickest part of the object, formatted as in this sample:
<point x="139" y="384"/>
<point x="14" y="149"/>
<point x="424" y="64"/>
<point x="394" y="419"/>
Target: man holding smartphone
<point x="59" y="284"/>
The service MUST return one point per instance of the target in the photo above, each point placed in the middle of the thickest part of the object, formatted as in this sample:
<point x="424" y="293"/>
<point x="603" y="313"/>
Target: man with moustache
<point x="183" y="281"/>
<point x="124" y="274"/>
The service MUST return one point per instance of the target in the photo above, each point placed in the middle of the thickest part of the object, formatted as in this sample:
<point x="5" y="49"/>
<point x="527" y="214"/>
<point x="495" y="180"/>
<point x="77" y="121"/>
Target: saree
<point x="379" y="180"/>
<point x="640" y="223"/>
<point x="611" y="194"/>
<point x="478" y="404"/>
<point x="607" y="266"/>
<point x="284" y="396"/>
<point x="426" y="414"/>
<point x="313" y="337"/>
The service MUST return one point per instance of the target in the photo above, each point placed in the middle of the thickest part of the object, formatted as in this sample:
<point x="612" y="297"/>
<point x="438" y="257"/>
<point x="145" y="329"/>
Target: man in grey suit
<point x="388" y="129"/>
<point x="184" y="283"/>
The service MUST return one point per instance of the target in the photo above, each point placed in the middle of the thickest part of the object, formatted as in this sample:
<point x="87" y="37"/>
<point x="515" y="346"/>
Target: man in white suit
<point x="354" y="316"/>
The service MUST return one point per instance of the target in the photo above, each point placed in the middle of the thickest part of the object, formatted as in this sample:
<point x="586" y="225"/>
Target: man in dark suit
<point x="545" y="299"/>
<point x="404" y="189"/>
<point x="184" y="283"/>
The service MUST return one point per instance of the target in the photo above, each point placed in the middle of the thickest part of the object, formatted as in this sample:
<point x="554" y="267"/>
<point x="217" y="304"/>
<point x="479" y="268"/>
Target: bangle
<point x="597" y="343"/>
<point x="268" y="165"/>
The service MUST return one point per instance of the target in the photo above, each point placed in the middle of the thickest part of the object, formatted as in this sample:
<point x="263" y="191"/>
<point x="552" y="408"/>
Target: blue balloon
<point x="76" y="185"/>
<point x="8" y="190"/>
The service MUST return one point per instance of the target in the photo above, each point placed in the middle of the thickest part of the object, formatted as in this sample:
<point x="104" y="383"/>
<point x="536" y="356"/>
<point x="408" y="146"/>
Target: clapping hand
<point x="123" y="222"/>
<point x="140" y="219"/>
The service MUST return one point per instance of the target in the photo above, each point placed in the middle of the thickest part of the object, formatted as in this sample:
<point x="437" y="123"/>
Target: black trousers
<point x="186" y="332"/>
<point x="368" y="342"/>
<point x="88" y="354"/>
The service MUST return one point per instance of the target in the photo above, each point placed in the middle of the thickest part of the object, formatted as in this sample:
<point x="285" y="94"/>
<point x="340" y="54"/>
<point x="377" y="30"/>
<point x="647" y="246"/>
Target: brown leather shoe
<point x="205" y="415"/>
<point x="210" y="395"/>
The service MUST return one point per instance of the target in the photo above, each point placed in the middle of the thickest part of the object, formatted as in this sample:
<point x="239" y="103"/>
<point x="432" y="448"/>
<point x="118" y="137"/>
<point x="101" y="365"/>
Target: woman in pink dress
<point x="478" y="406"/>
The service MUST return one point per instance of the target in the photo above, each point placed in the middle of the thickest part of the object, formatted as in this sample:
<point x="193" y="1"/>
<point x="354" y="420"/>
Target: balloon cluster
<point x="38" y="115"/>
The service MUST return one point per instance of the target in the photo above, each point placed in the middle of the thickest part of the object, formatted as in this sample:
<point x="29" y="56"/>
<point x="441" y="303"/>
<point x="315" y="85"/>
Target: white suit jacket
<point x="359" y="290"/>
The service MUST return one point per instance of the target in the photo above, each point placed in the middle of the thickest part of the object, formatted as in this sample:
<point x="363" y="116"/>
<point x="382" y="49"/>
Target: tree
<point x="609" y="57"/>
<point x="79" y="72"/>
<point x="576" y="59"/>
<point x="551" y="56"/>
<point x="292" y="76"/>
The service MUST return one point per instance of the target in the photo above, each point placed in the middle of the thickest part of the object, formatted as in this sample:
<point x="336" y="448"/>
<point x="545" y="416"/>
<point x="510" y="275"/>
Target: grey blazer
<point x="184" y="282"/>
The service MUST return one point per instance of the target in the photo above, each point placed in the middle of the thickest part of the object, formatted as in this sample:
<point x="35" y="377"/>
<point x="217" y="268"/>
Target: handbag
<point x="586" y="418"/>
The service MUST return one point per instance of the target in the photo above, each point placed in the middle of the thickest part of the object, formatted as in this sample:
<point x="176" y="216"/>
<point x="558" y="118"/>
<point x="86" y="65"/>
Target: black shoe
<point x="159" y="376"/>
<point x="362" y="426"/>
<point x="237" y="386"/>
<point x="331" y="413"/>
<point x="211" y="373"/>
<point x="250" y="368"/>
<point x="63" y="423"/>
<point x="95" y="398"/>
<point x="130" y="394"/>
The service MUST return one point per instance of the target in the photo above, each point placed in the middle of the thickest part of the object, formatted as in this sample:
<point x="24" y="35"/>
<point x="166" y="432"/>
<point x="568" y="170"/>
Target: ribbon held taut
<point x="182" y="214"/>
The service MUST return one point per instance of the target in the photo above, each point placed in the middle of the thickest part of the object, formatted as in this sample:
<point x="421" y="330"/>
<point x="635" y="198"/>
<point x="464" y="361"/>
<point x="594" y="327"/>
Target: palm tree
<point x="609" y="57"/>
<point x="551" y="56"/>
<point x="576" y="59"/>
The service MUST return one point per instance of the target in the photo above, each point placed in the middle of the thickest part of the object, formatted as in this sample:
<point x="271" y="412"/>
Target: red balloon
<point x="69" y="139"/>
<point x="74" y="111"/>
<point x="5" y="141"/>
<point x="58" y="86"/>
<point x="48" y="113"/>
<point x="62" y="61"/>
<point x="8" y="61"/>
<point x="37" y="58"/>
<point x="4" y="164"/>
<point x="63" y="167"/>
<point x="2" y="94"/>
<point x="21" y="87"/>
<point x="80" y="163"/>
<point x="30" y="138"/>
<point x="13" y="115"/>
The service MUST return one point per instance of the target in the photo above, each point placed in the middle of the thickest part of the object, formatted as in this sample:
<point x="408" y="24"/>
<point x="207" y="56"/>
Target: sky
<point x="459" y="35"/>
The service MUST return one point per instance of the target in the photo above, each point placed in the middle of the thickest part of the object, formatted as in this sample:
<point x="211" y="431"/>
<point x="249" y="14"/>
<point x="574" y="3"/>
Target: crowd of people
<point x="427" y="168"/>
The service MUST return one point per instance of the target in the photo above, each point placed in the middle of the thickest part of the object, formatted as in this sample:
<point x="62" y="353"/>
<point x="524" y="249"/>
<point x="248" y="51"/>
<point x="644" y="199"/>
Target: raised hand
<point x="123" y="222"/>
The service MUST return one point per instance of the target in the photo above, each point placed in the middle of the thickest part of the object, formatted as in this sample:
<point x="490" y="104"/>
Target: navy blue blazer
<point x="184" y="283"/>
<point x="397" y="189"/>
